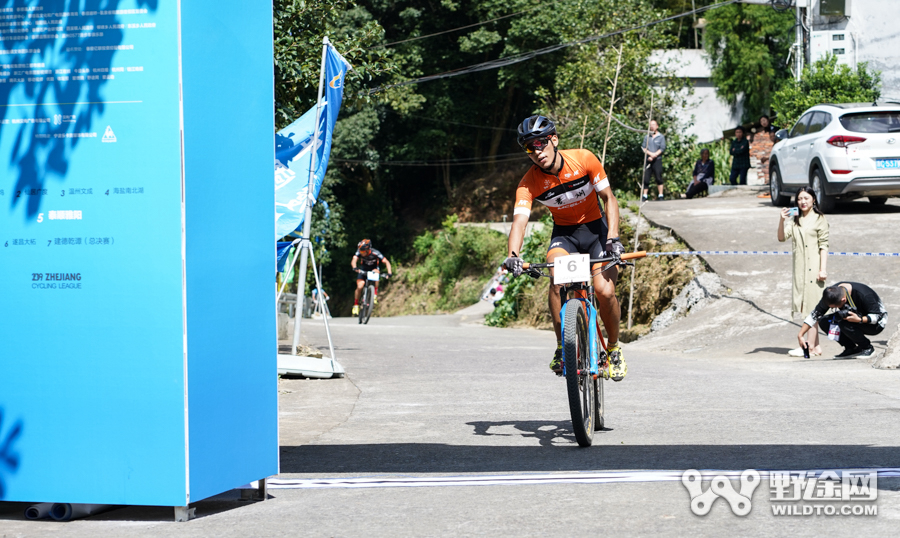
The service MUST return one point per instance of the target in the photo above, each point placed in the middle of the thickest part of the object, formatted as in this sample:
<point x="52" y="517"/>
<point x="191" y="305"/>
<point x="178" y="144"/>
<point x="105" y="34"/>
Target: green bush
<point x="720" y="153"/>
<point x="825" y="82"/>
<point x="449" y="269"/>
<point x="678" y="162"/>
<point x="534" y="250"/>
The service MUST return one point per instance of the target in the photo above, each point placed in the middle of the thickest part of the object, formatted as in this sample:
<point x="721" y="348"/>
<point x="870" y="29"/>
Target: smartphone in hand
<point x="793" y="211"/>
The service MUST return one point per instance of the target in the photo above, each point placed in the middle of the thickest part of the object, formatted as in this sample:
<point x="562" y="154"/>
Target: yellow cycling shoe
<point x="355" y="310"/>
<point x="617" y="366"/>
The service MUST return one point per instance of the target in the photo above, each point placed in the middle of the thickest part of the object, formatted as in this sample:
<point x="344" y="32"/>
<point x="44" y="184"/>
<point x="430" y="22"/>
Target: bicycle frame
<point x="594" y="333"/>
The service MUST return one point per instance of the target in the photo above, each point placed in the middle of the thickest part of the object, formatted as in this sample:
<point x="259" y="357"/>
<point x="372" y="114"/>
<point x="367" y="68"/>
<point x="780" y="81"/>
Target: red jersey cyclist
<point x="569" y="183"/>
<point x="369" y="259"/>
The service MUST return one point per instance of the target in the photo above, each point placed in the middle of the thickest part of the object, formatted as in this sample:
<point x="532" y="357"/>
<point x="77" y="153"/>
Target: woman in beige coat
<point x="809" y="232"/>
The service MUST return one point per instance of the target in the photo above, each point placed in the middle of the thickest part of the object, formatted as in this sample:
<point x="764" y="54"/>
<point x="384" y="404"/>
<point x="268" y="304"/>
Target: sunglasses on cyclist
<point x="536" y="145"/>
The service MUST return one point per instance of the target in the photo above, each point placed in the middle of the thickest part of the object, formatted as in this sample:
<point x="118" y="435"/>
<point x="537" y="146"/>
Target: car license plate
<point x="887" y="164"/>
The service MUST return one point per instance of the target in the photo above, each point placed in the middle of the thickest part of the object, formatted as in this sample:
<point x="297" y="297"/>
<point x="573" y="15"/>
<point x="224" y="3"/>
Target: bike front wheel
<point x="599" y="407"/>
<point x="579" y="381"/>
<point x="370" y="302"/>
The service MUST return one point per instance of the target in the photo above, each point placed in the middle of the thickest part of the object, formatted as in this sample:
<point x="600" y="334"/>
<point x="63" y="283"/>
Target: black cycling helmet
<point x="535" y="127"/>
<point x="365" y="244"/>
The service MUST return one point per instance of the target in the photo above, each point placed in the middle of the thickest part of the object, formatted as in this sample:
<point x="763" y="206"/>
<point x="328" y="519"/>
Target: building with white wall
<point x="704" y="115"/>
<point x="857" y="31"/>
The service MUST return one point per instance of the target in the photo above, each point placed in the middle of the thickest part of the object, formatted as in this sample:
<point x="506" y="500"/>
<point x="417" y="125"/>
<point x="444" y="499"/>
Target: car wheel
<point x="776" y="189"/>
<point x="877" y="200"/>
<point x="826" y="203"/>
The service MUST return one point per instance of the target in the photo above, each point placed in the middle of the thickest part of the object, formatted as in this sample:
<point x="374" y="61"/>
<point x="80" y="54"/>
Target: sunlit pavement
<point x="434" y="397"/>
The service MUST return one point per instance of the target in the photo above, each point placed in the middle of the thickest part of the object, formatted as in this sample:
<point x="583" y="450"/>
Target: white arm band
<point x="522" y="211"/>
<point x="602" y="184"/>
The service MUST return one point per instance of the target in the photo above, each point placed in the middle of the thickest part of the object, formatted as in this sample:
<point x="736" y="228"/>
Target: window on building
<point x="832" y="8"/>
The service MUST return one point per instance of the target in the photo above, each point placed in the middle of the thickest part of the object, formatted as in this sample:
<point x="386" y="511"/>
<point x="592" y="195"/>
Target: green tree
<point x="299" y="26"/>
<point x="748" y="46"/>
<point x="583" y="88"/>
<point x="825" y="82"/>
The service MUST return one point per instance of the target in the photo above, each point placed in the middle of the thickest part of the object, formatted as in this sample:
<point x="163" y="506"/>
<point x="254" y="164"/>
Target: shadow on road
<point x="548" y="433"/>
<point x="775" y="350"/>
<point x="760" y="309"/>
<point x="440" y="458"/>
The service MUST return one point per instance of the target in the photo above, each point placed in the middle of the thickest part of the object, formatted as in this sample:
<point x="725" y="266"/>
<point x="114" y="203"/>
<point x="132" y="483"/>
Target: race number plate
<point x="372" y="275"/>
<point x="574" y="268"/>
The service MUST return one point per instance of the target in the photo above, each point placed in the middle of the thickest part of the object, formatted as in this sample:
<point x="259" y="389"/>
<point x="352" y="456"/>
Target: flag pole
<point x="305" y="244"/>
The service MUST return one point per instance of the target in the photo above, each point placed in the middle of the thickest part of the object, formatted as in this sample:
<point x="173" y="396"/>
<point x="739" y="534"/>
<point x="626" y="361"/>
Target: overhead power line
<point x="459" y="123"/>
<point x="454" y="29"/>
<point x="524" y="56"/>
<point x="506" y="158"/>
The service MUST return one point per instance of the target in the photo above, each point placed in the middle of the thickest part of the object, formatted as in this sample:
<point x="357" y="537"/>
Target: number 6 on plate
<point x="572" y="268"/>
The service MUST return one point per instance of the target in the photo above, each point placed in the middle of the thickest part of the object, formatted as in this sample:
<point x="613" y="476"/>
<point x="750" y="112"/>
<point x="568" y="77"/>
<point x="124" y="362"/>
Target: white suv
<point x="843" y="151"/>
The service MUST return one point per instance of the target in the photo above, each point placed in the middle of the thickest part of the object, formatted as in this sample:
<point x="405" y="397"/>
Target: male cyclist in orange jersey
<point x="569" y="183"/>
<point x="369" y="259"/>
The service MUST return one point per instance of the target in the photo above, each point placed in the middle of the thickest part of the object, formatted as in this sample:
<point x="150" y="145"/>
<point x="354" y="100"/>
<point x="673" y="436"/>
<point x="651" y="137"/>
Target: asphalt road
<point x="442" y="396"/>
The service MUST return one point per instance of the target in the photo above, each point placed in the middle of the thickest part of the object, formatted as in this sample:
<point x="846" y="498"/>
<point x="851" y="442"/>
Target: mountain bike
<point x="367" y="297"/>
<point x="585" y="360"/>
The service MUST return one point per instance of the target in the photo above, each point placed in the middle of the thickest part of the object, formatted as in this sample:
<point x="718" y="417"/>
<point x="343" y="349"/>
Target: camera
<point x="841" y="313"/>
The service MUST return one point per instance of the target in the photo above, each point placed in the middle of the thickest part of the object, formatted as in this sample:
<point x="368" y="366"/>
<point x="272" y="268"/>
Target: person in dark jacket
<point x="858" y="313"/>
<point x="740" y="150"/>
<point x="704" y="175"/>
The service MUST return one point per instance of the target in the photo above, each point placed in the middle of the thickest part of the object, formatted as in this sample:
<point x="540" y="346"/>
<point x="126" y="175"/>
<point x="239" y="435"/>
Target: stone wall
<point x="760" y="149"/>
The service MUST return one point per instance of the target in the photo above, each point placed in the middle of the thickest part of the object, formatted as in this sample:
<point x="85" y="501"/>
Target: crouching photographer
<point x="857" y="312"/>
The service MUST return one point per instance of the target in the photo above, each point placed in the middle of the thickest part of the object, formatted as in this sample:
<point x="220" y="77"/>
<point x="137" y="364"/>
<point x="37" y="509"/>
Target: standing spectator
<point x="704" y="175"/>
<point x="653" y="146"/>
<point x="761" y="148"/>
<point x="766" y="128"/>
<point x="808" y="230"/>
<point x="740" y="151"/>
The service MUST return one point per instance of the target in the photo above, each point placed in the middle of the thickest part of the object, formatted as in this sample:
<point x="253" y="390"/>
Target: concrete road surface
<point x="441" y="396"/>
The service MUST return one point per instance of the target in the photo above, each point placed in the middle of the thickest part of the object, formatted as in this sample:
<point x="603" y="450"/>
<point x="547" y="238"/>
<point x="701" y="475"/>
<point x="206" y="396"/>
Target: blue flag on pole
<point x="295" y="144"/>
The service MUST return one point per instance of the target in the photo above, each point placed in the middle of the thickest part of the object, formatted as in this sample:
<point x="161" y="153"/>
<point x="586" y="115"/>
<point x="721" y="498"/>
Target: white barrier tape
<point x="771" y="253"/>
<point x="609" y="477"/>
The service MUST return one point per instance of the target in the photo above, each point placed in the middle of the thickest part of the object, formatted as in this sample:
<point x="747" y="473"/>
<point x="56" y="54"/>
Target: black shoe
<point x="849" y="352"/>
<point x="865" y="352"/>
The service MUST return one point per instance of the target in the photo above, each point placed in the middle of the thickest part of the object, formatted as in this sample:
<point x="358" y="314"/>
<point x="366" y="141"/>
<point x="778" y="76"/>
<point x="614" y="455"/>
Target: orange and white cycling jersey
<point x="570" y="196"/>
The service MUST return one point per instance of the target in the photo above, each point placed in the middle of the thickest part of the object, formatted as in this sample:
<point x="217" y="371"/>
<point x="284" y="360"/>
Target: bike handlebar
<point x="626" y="256"/>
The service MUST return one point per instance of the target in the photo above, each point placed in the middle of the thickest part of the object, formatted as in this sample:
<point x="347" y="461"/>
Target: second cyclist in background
<point x="367" y="259"/>
<point x="569" y="183"/>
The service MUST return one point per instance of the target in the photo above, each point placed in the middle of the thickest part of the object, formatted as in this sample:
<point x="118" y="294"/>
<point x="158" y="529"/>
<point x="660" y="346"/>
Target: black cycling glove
<point x="514" y="265"/>
<point x="615" y="247"/>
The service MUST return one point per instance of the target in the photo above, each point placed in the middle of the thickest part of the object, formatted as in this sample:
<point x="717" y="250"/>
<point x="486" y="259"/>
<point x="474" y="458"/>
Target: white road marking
<point x="605" y="477"/>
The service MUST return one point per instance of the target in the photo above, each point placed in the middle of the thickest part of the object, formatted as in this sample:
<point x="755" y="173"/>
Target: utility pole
<point x="800" y="52"/>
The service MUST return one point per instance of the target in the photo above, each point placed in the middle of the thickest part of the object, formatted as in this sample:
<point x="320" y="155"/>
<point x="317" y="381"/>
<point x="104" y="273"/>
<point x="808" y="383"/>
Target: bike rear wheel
<point x="370" y="302"/>
<point x="579" y="382"/>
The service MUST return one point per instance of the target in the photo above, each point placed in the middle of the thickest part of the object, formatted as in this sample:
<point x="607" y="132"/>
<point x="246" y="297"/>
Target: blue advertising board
<point x="137" y="363"/>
